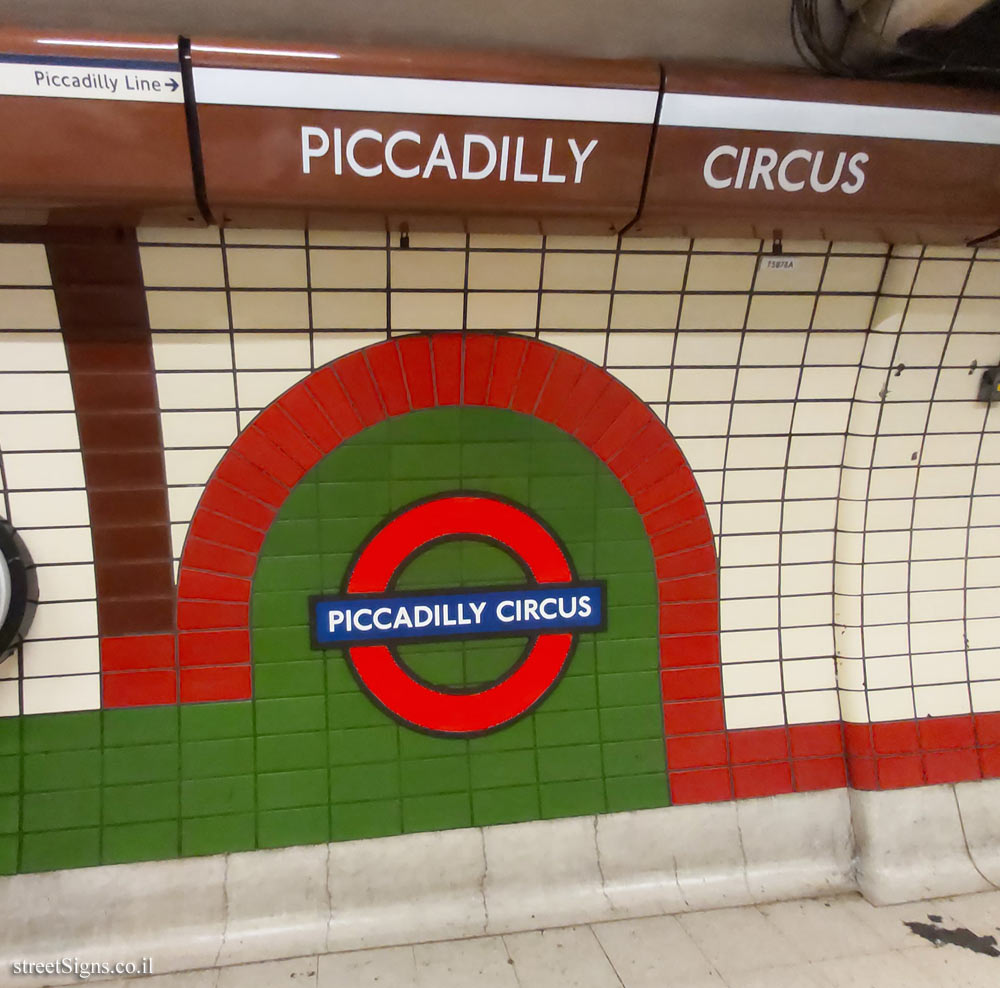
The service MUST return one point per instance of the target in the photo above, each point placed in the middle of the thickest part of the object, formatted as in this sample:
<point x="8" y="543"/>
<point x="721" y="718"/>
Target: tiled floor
<point x="835" y="943"/>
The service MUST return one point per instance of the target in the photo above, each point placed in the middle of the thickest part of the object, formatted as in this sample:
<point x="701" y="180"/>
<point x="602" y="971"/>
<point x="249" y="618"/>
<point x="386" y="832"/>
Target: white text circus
<point x="406" y="154"/>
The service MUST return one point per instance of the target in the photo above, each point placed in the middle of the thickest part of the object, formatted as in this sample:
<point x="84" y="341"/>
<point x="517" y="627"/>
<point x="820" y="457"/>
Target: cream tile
<point x="640" y="349"/>
<point x="651" y="272"/>
<point x="426" y="238"/>
<point x="62" y="657"/>
<point x="642" y="243"/>
<point x="843" y="312"/>
<point x="570" y="271"/>
<point x="182" y="267"/>
<point x="187" y="310"/>
<point x="192" y="351"/>
<point x="569" y="956"/>
<point x="721" y="273"/>
<point x="984" y="279"/>
<point x="428" y="269"/>
<point x="502" y="310"/>
<point x="388" y="967"/>
<point x="45" y="509"/>
<point x="590" y="346"/>
<point x="504" y="270"/>
<point x="853" y="274"/>
<point x="190" y="466"/>
<point x="929" y="315"/>
<point x="270" y="238"/>
<point x="650" y="384"/>
<point x="70" y="582"/>
<point x="270" y="310"/>
<point x="461" y="963"/>
<point x="264" y="351"/>
<point x="941" y="277"/>
<point x="900" y="274"/>
<point x="505" y="241"/>
<point x="643" y="950"/>
<point x="704" y="349"/>
<point x="725" y="245"/>
<point x="59" y="693"/>
<point x="349" y="310"/>
<point x="28" y="308"/>
<point x="569" y="311"/>
<point x="37" y="430"/>
<point x="262" y="268"/>
<point x="196" y="390"/>
<point x="32" y="351"/>
<point x="812" y="707"/>
<point x="702" y="384"/>
<point x="60" y="545"/>
<point x="426" y="310"/>
<point x="767" y="383"/>
<point x="941" y="701"/>
<point x="644" y="311"/>
<point x="347" y="238"/>
<point x="803" y="276"/>
<point x="24" y="264"/>
<point x="780" y="312"/>
<point x="43" y="471"/>
<point x="255" y="389"/>
<point x="198" y="428"/>
<point x="607" y="243"/>
<point x="178" y="235"/>
<point x="713" y="311"/>
<point x="330" y="346"/>
<point x="751" y="678"/>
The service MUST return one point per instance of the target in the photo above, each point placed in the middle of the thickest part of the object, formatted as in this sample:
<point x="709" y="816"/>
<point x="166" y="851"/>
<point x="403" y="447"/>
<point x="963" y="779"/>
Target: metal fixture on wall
<point x="18" y="589"/>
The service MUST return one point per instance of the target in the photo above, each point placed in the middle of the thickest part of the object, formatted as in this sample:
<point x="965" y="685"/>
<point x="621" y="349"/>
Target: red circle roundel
<point x="378" y="667"/>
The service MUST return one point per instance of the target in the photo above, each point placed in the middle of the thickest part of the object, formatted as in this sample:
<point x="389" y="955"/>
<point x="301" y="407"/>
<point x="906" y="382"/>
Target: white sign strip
<point x="841" y="119"/>
<point x="90" y="81"/>
<point x="387" y="94"/>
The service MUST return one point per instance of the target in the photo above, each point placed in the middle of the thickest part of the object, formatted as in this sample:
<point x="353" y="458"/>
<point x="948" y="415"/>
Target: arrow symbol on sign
<point x="173" y="85"/>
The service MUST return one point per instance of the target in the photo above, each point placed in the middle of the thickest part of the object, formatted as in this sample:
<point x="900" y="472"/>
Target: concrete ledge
<point x="228" y="909"/>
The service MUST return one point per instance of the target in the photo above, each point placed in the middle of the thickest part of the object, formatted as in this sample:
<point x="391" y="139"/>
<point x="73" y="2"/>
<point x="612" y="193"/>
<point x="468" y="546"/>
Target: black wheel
<point x="18" y="589"/>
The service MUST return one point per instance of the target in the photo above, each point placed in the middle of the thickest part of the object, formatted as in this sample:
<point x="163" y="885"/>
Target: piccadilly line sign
<point x="370" y="619"/>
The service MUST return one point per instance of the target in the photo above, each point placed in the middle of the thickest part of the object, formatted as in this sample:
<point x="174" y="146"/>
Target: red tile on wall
<point x="638" y="449"/>
<point x="951" y="766"/>
<point x="610" y="405"/>
<point x="386" y="369"/>
<point x="538" y="362"/>
<point x="687" y="588"/>
<point x="244" y="476"/>
<point x="212" y="648"/>
<point x="506" y="364"/>
<point x="225" y="500"/>
<point x="861" y="773"/>
<point x="682" y="563"/>
<point x="288" y="435"/>
<point x="478" y="368"/>
<point x="858" y="739"/>
<point x="200" y="554"/>
<point x="195" y="585"/>
<point x="225" y="531"/>
<point x="301" y="407"/>
<point x="946" y="732"/>
<point x="811" y="774"/>
<point x="689" y="650"/>
<point x="900" y="771"/>
<point x="989" y="762"/>
<point x="583" y="396"/>
<point x="764" y="744"/>
<point x="138" y="689"/>
<point x="678" y="619"/>
<point x="987" y="728"/>
<point x="708" y="785"/>
<point x="565" y="373"/>
<point x="682" y="536"/>
<point x="691" y="684"/>
<point x="696" y="751"/>
<point x="622" y="430"/>
<point x="446" y="353"/>
<point x="808" y="740"/>
<point x="221" y="683"/>
<point x="138" y="652"/>
<point x="326" y="390"/>
<point x="895" y="737"/>
<point x="415" y="353"/>
<point x="194" y="614"/>
<point x="356" y="378"/>
<point x="258" y="450"/>
<point x="752" y="781"/>
<point x="693" y="717"/>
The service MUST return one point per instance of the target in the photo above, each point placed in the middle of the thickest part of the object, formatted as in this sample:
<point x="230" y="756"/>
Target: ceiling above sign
<point x="247" y="134"/>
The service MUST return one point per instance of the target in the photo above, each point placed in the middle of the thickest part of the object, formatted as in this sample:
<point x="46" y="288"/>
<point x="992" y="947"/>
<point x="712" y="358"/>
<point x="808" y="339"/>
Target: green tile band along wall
<point x="311" y="758"/>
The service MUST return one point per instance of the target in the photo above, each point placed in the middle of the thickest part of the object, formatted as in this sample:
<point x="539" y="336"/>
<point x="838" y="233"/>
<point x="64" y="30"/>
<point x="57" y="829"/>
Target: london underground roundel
<point x="18" y="589"/>
<point x="370" y="619"/>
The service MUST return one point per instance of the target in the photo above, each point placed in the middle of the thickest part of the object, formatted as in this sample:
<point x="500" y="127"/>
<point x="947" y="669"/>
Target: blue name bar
<point x="388" y="618"/>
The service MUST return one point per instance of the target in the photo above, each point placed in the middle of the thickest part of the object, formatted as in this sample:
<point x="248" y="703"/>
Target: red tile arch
<point x="210" y="659"/>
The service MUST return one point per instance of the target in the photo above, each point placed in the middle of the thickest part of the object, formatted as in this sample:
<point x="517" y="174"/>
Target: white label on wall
<point x="780" y="263"/>
<point x="90" y="79"/>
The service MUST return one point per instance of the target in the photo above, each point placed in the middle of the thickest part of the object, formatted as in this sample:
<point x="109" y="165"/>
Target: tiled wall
<point x="828" y="410"/>
<point x="42" y="492"/>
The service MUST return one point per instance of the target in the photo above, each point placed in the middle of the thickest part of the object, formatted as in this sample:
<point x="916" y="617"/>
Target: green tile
<point x="520" y="734"/>
<point x="48" y="851"/>
<point x="294" y="537"/>
<point x="284" y="716"/>
<point x="8" y="855"/>
<point x="435" y="775"/>
<point x="511" y="804"/>
<point x="630" y="723"/>
<point x="580" y="798"/>
<point x="208" y="797"/>
<point x="132" y="804"/>
<point x="353" y="783"/>
<point x="281" y="752"/>
<point x="62" y="732"/>
<point x="573" y="693"/>
<point x="363" y="744"/>
<point x="447" y="812"/>
<point x="205" y="721"/>
<point x="70" y="808"/>
<point x="581" y="761"/>
<point x="140" y="842"/>
<point x="62" y="770"/>
<point x="218" y="834"/>
<point x="10" y="813"/>
<point x="615" y="655"/>
<point x="10" y="735"/>
<point x="280" y="609"/>
<point x="280" y="790"/>
<point x="566" y="727"/>
<point x="629" y="688"/>
<point x="352" y="821"/>
<point x="637" y="792"/>
<point x="284" y="828"/>
<point x="502" y="768"/>
<point x="280" y="644"/>
<point x="211" y="759"/>
<point x="141" y="763"/>
<point x="141" y="725"/>
<point x="289" y="573"/>
<point x="352" y="500"/>
<point x="347" y="710"/>
<point x="289" y="679"/>
<point x="416" y="461"/>
<point x="10" y="773"/>
<point x="633" y="757"/>
<point x="414" y="744"/>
